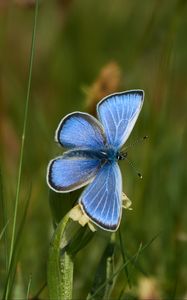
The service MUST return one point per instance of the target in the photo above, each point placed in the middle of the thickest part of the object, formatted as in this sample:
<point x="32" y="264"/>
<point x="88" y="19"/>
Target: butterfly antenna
<point x="137" y="141"/>
<point x="134" y="168"/>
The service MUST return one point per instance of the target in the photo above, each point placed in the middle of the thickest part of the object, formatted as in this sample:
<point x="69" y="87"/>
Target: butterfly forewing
<point x="80" y="130"/>
<point x="118" y="114"/>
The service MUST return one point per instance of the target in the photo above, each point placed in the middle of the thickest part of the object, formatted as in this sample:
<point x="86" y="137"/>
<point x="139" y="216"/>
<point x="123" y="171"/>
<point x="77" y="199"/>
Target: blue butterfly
<point x="92" y="156"/>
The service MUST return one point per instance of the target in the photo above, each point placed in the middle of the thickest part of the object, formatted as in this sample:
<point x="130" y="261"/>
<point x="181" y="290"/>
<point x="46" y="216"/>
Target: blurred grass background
<point x="85" y="50"/>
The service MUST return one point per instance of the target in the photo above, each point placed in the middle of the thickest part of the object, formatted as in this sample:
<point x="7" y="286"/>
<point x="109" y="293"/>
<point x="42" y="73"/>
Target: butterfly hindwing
<point x="118" y="114"/>
<point x="101" y="200"/>
<point x="72" y="170"/>
<point x="79" y="130"/>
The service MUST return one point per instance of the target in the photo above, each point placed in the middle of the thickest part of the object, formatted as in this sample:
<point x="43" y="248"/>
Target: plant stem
<point x="60" y="265"/>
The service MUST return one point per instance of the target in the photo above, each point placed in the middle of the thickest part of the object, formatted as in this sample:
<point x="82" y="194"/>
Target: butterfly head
<point x="112" y="155"/>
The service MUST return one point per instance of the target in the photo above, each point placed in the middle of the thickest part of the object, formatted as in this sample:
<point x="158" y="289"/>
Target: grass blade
<point x="5" y="222"/>
<point x="80" y="239"/>
<point x="23" y="133"/>
<point x="12" y="243"/>
<point x="124" y="258"/>
<point x="104" y="273"/>
<point x="3" y="230"/>
<point x="36" y="296"/>
<point x="134" y="257"/>
<point x="12" y="269"/>
<point x="28" y="287"/>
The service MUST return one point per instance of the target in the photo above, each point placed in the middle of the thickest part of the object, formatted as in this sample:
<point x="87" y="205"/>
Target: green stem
<point x="60" y="265"/>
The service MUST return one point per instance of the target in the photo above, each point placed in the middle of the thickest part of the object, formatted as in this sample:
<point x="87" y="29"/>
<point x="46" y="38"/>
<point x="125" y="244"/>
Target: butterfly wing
<point x="72" y="170"/>
<point x="79" y="130"/>
<point x="101" y="200"/>
<point x="118" y="114"/>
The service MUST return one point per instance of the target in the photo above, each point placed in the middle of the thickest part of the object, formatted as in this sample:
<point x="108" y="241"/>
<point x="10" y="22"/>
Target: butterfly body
<point x="93" y="151"/>
<point x="109" y="154"/>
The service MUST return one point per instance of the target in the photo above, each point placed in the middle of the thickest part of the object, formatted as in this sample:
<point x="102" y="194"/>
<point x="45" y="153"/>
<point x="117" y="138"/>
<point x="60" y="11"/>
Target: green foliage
<point x="75" y="40"/>
<point x="104" y="273"/>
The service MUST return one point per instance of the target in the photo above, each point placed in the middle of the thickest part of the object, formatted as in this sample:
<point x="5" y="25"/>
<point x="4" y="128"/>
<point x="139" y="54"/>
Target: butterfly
<point x="93" y="151"/>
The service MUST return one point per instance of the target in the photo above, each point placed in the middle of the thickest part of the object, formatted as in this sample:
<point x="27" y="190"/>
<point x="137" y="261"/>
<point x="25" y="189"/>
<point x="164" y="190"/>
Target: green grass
<point x="74" y="41"/>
